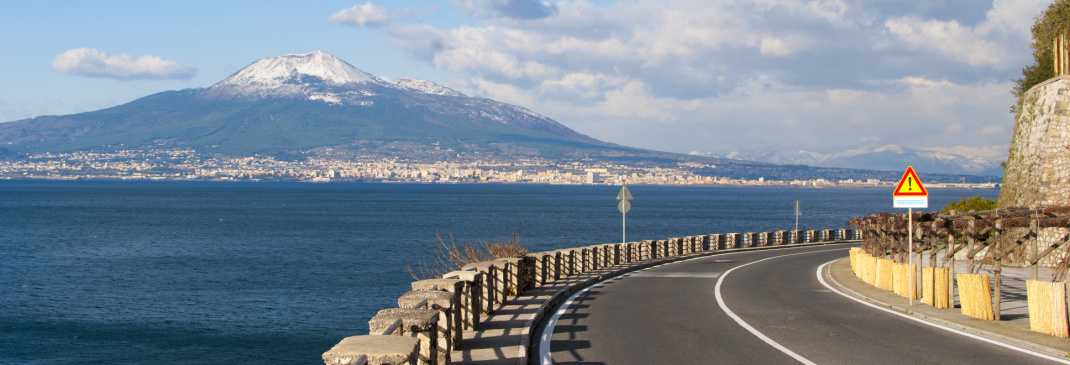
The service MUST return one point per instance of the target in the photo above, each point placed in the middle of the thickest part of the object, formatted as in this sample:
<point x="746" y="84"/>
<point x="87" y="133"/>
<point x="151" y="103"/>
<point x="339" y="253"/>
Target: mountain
<point x="294" y="103"/>
<point x="981" y="161"/>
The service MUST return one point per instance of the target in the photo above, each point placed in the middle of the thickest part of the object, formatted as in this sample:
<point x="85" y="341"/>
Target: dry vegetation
<point x="452" y="257"/>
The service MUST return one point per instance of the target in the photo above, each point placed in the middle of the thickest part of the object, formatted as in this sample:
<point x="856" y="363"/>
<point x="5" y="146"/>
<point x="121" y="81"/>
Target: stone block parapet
<point x="430" y="320"/>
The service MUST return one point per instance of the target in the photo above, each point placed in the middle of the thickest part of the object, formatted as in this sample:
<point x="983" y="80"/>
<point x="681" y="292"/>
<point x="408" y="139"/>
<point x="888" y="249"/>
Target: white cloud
<point x="743" y="73"/>
<point x="949" y="39"/>
<point x="987" y="44"/>
<point x="93" y="63"/>
<point x="362" y="15"/>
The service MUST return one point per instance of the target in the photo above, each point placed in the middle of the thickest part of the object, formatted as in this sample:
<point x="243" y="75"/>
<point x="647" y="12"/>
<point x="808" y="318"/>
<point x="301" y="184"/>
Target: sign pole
<point x="910" y="194"/>
<point x="624" y="206"/>
<point x="798" y="211"/>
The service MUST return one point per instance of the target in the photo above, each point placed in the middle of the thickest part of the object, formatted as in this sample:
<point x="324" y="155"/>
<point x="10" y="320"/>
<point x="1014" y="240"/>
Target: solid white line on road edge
<point x="821" y="278"/>
<point x="548" y="331"/>
<point x="752" y="330"/>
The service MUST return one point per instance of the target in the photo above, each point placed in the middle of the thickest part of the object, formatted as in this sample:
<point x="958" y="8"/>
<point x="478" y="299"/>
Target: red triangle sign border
<point x="899" y="187"/>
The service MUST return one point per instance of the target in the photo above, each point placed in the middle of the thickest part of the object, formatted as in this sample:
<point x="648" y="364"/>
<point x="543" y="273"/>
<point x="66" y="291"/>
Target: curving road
<point x="671" y="314"/>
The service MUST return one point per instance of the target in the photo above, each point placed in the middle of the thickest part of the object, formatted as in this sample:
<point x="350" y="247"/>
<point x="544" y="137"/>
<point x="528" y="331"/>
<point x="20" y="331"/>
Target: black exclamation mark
<point x="910" y="184"/>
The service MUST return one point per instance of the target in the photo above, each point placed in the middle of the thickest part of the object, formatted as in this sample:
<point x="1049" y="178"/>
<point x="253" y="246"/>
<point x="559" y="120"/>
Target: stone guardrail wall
<point x="430" y="319"/>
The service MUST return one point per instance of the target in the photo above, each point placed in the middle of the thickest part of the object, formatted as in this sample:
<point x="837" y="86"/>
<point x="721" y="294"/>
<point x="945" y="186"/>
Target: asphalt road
<point x="670" y="315"/>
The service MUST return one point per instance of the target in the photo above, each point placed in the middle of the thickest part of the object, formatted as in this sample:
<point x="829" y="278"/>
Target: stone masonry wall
<point x="1038" y="164"/>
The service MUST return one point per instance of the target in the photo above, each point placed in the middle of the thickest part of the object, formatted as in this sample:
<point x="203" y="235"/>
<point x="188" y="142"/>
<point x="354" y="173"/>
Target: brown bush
<point x="453" y="257"/>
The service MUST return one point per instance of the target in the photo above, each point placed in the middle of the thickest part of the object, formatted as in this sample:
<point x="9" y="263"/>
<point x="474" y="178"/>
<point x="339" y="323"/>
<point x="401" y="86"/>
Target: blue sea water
<point x="109" y="272"/>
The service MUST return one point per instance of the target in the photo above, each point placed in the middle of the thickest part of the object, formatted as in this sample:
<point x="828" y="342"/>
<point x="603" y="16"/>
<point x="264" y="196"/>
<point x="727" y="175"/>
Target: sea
<point x="137" y="272"/>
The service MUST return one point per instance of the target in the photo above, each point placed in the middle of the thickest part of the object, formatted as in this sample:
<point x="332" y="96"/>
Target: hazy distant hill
<point x="983" y="161"/>
<point x="298" y="102"/>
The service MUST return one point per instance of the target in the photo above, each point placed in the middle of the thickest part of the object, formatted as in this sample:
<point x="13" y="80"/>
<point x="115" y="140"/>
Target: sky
<point x="669" y="75"/>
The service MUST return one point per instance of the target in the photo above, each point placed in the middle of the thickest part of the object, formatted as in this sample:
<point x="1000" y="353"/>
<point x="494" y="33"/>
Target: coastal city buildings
<point x="186" y="164"/>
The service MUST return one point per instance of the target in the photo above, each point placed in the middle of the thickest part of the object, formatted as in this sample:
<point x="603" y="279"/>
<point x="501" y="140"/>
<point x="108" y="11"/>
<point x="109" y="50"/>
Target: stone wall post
<point x="419" y="323"/>
<point x="811" y="236"/>
<point x="567" y="263"/>
<point x="572" y="261"/>
<point x="542" y="265"/>
<point x="731" y="240"/>
<point x="589" y="259"/>
<point x="717" y="241"/>
<point x="455" y="289"/>
<point x="490" y="287"/>
<point x="473" y="299"/>
<point x="512" y="281"/>
<point x="441" y="302"/>
<point x="599" y="256"/>
<point x="558" y="265"/>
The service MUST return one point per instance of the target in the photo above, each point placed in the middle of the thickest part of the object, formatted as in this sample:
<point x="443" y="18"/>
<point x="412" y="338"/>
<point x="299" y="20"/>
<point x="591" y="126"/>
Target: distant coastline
<point x="814" y="184"/>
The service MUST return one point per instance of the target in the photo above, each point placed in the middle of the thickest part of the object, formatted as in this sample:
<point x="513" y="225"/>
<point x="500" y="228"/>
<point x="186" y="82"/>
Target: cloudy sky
<point x="671" y="75"/>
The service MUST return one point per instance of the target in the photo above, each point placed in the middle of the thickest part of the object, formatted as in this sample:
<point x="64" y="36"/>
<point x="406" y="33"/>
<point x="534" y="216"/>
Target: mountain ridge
<point x="303" y="101"/>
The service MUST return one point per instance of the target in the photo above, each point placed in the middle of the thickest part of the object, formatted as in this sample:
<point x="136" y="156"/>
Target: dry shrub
<point x="453" y="257"/>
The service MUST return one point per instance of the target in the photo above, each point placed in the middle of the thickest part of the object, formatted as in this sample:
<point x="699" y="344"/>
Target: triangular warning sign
<point x="624" y="194"/>
<point x="910" y="185"/>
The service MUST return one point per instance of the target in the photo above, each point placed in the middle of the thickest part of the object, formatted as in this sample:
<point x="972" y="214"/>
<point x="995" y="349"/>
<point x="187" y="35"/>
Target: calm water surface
<point x="213" y="273"/>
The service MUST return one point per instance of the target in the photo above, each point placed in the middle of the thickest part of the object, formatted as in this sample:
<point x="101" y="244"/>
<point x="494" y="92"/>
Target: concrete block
<point x="419" y="323"/>
<point x="379" y="350"/>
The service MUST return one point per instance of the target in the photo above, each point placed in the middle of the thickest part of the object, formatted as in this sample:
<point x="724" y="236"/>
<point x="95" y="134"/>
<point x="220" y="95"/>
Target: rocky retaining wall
<point x="429" y="320"/>
<point x="1037" y="173"/>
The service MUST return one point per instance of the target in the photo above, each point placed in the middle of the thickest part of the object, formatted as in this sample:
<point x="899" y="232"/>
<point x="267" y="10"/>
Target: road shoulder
<point x="840" y="275"/>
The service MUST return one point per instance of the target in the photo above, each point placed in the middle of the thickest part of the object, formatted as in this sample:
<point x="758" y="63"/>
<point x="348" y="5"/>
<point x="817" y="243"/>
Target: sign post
<point x="798" y="212"/>
<point x="624" y="206"/>
<point x="910" y="194"/>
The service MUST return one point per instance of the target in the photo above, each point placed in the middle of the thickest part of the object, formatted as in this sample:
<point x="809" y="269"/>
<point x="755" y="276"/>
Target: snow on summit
<point x="276" y="70"/>
<point x="315" y="76"/>
<point x="291" y="75"/>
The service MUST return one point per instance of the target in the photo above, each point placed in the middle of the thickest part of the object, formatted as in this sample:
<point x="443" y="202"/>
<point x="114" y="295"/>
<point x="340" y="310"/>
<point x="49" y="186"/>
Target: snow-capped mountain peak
<point x="292" y="75"/>
<point x="319" y="64"/>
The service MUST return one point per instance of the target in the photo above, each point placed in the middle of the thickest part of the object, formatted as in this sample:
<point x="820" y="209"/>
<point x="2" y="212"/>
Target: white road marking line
<point x="752" y="330"/>
<point x="663" y="274"/>
<point x="548" y="332"/>
<point x="821" y="278"/>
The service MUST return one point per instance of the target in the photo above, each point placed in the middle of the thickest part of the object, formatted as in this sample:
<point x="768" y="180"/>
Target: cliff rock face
<point x="1038" y="167"/>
